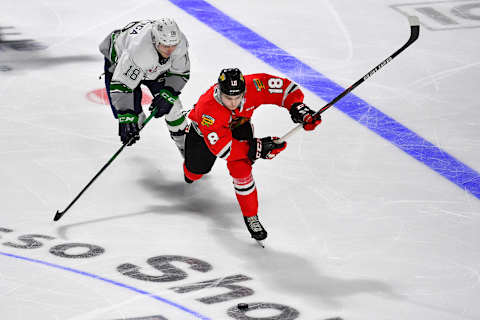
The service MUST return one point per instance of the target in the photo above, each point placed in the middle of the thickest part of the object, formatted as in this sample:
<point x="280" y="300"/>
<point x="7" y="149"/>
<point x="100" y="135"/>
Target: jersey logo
<point x="207" y="120"/>
<point x="258" y="84"/>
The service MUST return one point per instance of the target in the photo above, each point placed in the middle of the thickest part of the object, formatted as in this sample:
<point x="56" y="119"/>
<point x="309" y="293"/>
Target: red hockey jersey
<point x="214" y="121"/>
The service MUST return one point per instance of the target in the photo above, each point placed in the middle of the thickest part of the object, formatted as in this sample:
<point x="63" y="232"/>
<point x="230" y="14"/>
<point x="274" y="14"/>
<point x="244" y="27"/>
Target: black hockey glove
<point x="128" y="129"/>
<point x="265" y="148"/>
<point x="300" y="113"/>
<point x="164" y="101"/>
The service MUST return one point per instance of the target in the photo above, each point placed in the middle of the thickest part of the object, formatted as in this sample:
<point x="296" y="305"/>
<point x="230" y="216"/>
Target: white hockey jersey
<point x="134" y="58"/>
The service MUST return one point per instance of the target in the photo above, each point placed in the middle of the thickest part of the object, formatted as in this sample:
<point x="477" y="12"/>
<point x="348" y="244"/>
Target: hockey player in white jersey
<point x="153" y="53"/>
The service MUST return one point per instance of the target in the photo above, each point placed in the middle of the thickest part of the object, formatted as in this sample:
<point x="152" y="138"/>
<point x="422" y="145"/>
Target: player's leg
<point x="246" y="193"/>
<point x="108" y="80"/>
<point x="176" y="118"/>
<point x="199" y="160"/>
<point x="176" y="123"/>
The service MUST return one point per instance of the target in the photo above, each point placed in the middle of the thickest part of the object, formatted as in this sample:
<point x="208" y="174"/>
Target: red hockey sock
<point x="246" y="193"/>
<point x="245" y="190"/>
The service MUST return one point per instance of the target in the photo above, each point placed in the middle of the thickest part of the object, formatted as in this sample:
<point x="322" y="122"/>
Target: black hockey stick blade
<point x="58" y="215"/>
<point x="414" y="32"/>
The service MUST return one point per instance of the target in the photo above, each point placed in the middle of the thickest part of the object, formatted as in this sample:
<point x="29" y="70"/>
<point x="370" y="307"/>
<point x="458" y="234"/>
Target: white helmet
<point x="165" y="31"/>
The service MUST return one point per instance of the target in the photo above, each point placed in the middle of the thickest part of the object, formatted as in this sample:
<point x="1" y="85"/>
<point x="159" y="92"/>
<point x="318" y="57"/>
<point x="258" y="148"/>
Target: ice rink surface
<point x="374" y="215"/>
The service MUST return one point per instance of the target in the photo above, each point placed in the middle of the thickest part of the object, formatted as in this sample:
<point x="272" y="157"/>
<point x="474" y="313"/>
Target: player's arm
<point x="286" y="93"/>
<point x="125" y="79"/>
<point x="276" y="90"/>
<point x="218" y="138"/>
<point x="175" y="79"/>
<point x="179" y="72"/>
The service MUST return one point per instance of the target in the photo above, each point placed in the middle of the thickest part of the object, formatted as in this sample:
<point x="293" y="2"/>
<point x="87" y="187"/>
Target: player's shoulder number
<point x="275" y="85"/>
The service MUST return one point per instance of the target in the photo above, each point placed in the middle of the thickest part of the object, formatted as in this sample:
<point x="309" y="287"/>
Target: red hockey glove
<point x="300" y="113"/>
<point x="265" y="148"/>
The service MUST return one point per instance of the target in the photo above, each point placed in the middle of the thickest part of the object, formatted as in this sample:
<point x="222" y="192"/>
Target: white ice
<point x="358" y="229"/>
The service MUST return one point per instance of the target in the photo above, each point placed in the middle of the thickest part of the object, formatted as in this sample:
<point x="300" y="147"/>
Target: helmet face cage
<point x="231" y="82"/>
<point x="165" y="32"/>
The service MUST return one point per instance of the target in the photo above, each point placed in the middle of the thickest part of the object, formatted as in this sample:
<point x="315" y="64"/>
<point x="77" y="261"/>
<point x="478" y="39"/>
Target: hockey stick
<point x="60" y="214"/>
<point x="414" y="33"/>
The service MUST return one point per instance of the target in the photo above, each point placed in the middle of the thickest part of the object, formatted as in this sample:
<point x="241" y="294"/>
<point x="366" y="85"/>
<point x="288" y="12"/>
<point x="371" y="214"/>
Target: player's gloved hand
<point x="265" y="148"/>
<point x="300" y="113"/>
<point x="128" y="128"/>
<point x="164" y="101"/>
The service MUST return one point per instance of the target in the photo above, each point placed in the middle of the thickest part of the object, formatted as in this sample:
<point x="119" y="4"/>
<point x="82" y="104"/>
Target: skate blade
<point x="260" y="243"/>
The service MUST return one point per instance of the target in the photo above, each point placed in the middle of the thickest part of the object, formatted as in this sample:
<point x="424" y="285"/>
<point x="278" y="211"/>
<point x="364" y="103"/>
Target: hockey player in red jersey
<point x="221" y="128"/>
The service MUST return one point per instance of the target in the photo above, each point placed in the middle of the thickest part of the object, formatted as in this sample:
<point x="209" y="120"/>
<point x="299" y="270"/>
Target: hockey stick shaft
<point x="60" y="214"/>
<point x="414" y="33"/>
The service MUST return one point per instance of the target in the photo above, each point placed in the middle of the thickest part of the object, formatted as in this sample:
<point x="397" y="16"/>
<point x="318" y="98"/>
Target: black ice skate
<point x="256" y="229"/>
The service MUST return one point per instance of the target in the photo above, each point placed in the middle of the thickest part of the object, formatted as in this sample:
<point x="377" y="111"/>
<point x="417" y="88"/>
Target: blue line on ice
<point x="116" y="283"/>
<point x="356" y="108"/>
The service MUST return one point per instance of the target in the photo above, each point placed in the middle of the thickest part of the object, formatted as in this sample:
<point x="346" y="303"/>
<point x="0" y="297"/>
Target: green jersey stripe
<point x="184" y="76"/>
<point x="113" y="53"/>
<point x="120" y="87"/>
<point x="177" y="122"/>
